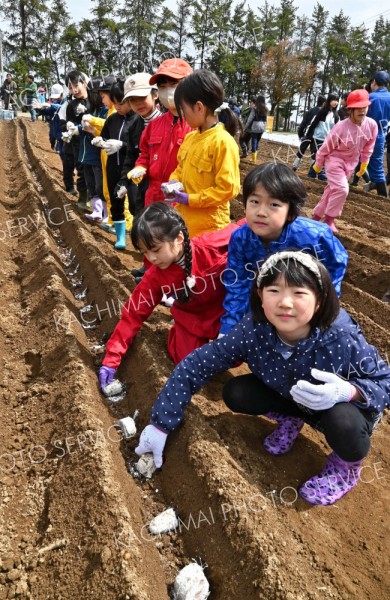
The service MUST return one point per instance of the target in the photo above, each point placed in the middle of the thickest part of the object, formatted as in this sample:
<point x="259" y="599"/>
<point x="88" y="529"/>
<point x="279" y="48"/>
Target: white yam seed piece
<point x="165" y="521"/>
<point x="191" y="583"/>
<point x="114" y="388"/>
<point x="146" y="465"/>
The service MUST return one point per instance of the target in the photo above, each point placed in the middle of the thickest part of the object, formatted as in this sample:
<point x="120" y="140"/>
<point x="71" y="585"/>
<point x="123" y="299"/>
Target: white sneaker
<point x="296" y="163"/>
<point x="367" y="187"/>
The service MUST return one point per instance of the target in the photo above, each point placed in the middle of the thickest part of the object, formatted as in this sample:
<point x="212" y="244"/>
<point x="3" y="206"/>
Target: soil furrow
<point x="239" y="508"/>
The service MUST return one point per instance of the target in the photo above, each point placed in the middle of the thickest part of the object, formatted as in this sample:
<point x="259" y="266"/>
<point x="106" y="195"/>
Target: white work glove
<point x="37" y="105"/>
<point x="98" y="142"/>
<point x="121" y="193"/>
<point x="322" y="397"/>
<point x="81" y="109"/>
<point x="72" y="128"/>
<point x="136" y="175"/>
<point x="152" y="440"/>
<point x="66" y="137"/>
<point x="85" y="121"/>
<point x="112" y="146"/>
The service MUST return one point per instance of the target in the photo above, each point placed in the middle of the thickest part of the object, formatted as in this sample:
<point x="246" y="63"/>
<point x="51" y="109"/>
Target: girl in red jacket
<point x="189" y="273"/>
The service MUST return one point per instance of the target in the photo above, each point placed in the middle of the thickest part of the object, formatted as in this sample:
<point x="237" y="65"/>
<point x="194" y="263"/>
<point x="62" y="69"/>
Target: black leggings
<point x="346" y="427"/>
<point x="304" y="146"/>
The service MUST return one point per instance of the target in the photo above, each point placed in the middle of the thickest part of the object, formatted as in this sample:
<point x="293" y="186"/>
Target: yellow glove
<point x="136" y="175"/>
<point x="317" y="169"/>
<point x="362" y="170"/>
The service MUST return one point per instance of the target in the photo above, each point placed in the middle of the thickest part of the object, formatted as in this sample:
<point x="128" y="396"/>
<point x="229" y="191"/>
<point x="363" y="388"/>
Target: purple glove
<point x="178" y="197"/>
<point x="106" y="376"/>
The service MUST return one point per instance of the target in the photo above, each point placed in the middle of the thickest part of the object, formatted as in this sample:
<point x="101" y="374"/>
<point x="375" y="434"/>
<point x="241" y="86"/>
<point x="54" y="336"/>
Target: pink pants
<point x="335" y="193"/>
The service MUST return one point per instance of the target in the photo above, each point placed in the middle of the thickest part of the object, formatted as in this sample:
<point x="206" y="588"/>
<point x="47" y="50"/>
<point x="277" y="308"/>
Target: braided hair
<point x="162" y="223"/>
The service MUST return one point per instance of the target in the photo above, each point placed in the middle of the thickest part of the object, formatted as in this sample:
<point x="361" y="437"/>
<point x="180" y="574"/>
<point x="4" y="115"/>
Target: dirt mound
<point x="73" y="519"/>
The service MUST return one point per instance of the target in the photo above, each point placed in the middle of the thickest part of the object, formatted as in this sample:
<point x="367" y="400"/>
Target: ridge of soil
<point x="238" y="506"/>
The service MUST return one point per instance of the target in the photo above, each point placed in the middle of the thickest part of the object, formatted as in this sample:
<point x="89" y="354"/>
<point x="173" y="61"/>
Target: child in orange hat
<point x="163" y="137"/>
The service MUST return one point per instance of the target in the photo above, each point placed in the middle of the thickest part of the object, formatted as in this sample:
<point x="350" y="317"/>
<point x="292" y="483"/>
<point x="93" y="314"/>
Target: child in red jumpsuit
<point x="161" y="140"/>
<point x="188" y="272"/>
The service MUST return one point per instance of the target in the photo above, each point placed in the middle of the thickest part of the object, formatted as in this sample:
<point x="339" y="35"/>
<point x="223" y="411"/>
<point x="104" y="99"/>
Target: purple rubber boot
<point x="97" y="209"/>
<point x="282" y="439"/>
<point x="337" y="478"/>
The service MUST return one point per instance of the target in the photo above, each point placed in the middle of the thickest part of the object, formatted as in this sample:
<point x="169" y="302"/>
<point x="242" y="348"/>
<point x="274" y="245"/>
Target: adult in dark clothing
<point x="31" y="94"/>
<point x="379" y="110"/>
<point x="246" y="136"/>
<point x="8" y="93"/>
<point x="305" y="141"/>
<point x="256" y="124"/>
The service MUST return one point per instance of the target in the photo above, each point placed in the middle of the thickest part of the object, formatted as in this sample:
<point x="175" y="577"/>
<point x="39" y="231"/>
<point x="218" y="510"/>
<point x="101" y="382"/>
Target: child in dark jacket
<point x="142" y="98"/>
<point x="310" y="364"/>
<point x="86" y="101"/>
<point x="113" y="142"/>
<point x="319" y="128"/>
<point x="273" y="198"/>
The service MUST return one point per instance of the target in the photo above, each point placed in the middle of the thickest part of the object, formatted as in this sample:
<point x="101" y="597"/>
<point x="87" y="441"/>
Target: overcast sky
<point x="359" y="11"/>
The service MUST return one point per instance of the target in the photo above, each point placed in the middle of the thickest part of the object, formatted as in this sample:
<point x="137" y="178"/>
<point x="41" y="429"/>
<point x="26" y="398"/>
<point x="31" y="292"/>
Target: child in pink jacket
<point x="348" y="142"/>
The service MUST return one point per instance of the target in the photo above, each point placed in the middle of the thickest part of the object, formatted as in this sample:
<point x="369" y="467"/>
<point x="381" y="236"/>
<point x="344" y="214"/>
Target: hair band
<point x="302" y="257"/>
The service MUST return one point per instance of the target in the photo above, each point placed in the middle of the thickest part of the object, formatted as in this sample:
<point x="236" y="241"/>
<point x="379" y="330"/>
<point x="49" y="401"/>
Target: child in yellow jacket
<point x="208" y="159"/>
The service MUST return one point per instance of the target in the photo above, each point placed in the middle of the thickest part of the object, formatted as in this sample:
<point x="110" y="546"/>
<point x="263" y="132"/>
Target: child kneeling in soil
<point x="273" y="197"/>
<point x="310" y="364"/>
<point x="349" y="141"/>
<point x="187" y="273"/>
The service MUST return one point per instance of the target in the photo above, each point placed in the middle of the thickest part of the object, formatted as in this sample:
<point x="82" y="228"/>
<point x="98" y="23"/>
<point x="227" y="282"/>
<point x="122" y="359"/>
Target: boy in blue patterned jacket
<point x="310" y="364"/>
<point x="273" y="197"/>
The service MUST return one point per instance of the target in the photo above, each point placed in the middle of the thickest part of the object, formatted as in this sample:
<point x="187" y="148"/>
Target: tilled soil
<point x="73" y="520"/>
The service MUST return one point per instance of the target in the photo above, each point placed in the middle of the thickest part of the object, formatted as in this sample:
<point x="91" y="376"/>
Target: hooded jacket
<point x="199" y="316"/>
<point x="322" y="123"/>
<point x="115" y="128"/>
<point x="379" y="110"/>
<point x="159" y="145"/>
<point x="247" y="253"/>
<point x="208" y="168"/>
<point x="88" y="154"/>
<point x="340" y="349"/>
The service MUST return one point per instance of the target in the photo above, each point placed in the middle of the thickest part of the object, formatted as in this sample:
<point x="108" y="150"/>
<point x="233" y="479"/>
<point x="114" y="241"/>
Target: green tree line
<point x="268" y="49"/>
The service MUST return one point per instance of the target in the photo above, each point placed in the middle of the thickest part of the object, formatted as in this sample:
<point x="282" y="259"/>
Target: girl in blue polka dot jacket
<point x="310" y="364"/>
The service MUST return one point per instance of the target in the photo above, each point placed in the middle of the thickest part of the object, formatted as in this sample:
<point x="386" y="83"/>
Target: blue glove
<point x="152" y="440"/>
<point x="106" y="376"/>
<point x="178" y="198"/>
